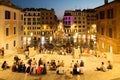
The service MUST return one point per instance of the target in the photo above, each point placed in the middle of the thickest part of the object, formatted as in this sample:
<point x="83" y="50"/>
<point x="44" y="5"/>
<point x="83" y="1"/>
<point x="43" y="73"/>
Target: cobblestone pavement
<point x="90" y="73"/>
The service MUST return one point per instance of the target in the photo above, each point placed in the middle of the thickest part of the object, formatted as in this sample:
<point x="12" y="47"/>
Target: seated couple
<point x="42" y="70"/>
<point x="77" y="70"/>
<point x="60" y="70"/>
<point x="103" y="68"/>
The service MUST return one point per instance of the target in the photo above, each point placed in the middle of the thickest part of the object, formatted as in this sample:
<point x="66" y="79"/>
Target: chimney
<point x="105" y="1"/>
<point x="9" y="2"/>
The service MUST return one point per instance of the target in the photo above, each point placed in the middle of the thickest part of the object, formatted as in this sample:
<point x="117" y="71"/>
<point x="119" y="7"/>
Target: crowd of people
<point x="41" y="67"/>
<point x="32" y="67"/>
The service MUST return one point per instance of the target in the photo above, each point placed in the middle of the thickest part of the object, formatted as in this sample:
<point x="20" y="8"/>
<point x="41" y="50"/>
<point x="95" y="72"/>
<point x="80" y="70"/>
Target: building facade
<point x="108" y="26"/>
<point x="77" y="23"/>
<point x="91" y="27"/>
<point x="11" y="26"/>
<point x="39" y="25"/>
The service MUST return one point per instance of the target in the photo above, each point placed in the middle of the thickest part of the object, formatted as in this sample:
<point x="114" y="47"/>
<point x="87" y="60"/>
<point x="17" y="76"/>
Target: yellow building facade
<point x="39" y="22"/>
<point x="11" y="26"/>
<point x="108" y="27"/>
<point x="77" y="23"/>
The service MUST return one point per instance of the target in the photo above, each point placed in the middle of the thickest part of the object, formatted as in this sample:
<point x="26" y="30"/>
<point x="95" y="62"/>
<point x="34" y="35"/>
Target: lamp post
<point x="25" y="42"/>
<point x="76" y="39"/>
<point x="31" y="34"/>
<point x="51" y="39"/>
<point x="94" y="35"/>
<point x="72" y="33"/>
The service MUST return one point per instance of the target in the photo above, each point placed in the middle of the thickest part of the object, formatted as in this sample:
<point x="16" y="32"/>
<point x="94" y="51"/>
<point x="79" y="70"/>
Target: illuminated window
<point x="102" y="45"/>
<point x="43" y="33"/>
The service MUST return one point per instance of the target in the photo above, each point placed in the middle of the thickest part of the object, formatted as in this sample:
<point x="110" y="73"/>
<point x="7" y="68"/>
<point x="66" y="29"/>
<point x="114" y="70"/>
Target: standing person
<point x="40" y="62"/>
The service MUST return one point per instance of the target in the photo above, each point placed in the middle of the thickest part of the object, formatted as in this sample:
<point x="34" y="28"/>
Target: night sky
<point x="59" y="5"/>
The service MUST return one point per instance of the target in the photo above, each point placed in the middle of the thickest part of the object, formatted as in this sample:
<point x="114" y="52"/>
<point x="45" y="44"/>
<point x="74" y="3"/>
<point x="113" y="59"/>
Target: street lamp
<point x="94" y="35"/>
<point x="72" y="32"/>
<point x="25" y="42"/>
<point x="76" y="39"/>
<point x="31" y="34"/>
<point x="51" y="39"/>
